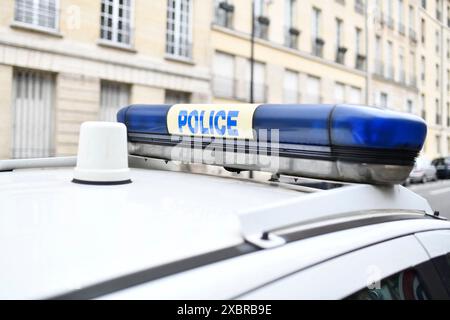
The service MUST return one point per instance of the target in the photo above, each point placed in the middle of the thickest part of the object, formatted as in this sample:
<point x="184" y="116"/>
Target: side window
<point x="442" y="265"/>
<point x="405" y="285"/>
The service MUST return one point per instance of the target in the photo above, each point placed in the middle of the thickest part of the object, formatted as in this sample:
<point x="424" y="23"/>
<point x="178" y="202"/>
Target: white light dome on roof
<point x="102" y="154"/>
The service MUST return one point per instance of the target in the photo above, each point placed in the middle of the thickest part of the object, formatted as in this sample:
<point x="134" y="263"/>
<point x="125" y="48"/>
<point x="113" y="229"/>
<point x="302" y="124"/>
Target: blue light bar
<point x="345" y="133"/>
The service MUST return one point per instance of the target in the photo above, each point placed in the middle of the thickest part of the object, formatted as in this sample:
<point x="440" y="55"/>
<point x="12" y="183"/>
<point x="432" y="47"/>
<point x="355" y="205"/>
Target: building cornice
<point x="97" y="54"/>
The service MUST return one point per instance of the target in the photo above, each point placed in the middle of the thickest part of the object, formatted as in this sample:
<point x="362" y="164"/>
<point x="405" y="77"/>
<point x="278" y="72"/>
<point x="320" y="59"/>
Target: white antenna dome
<point x="102" y="154"/>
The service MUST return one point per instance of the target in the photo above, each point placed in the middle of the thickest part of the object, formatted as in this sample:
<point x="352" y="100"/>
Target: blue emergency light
<point x="340" y="142"/>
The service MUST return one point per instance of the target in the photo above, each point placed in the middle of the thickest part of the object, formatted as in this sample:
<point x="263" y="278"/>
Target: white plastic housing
<point x="102" y="154"/>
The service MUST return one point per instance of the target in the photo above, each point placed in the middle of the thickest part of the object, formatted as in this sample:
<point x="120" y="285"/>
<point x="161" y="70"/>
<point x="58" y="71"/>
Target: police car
<point x="161" y="206"/>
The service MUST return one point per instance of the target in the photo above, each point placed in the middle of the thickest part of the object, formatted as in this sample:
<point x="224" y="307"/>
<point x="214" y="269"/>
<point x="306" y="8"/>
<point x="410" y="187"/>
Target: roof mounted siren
<point x="102" y="154"/>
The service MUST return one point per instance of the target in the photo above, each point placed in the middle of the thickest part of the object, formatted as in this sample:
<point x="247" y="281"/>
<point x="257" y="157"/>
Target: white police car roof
<point x="60" y="236"/>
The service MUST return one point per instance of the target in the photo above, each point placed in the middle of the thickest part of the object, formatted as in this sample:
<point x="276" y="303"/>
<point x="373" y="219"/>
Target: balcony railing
<point x="317" y="47"/>
<point x="291" y="36"/>
<point x="360" y="62"/>
<point x="340" y="55"/>
<point x="262" y="27"/>
<point x="379" y="68"/>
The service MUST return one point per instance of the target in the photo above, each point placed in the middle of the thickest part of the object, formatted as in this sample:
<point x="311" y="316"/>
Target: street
<point x="438" y="195"/>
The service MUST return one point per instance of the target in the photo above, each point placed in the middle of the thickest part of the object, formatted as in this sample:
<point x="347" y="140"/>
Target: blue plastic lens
<point x="317" y="125"/>
<point x="368" y="127"/>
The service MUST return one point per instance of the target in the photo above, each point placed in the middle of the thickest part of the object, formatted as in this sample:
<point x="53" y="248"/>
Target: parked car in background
<point x="442" y="166"/>
<point x="423" y="171"/>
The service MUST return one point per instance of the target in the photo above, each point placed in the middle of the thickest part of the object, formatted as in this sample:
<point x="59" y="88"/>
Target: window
<point x="33" y="115"/>
<point x="113" y="96"/>
<point x="291" y="32"/>
<point x="422" y="68"/>
<point x="339" y="33"/>
<point x="448" y="115"/>
<point x="390" y="65"/>
<point x="412" y="18"/>
<point x="259" y="83"/>
<point x="261" y="21"/>
<point x="317" y="42"/>
<point x="401" y="64"/>
<point x="422" y="31"/>
<point x="438" y="45"/>
<point x="179" y="28"/>
<point x="413" y="69"/>
<point x="175" y="97"/>
<point x="412" y="24"/>
<point x="438" y="144"/>
<point x="291" y="87"/>
<point x="448" y="79"/>
<point x="340" y="49"/>
<point x="438" y="71"/>
<point x="316" y="17"/>
<point x="360" y="58"/>
<point x="390" y="10"/>
<point x="401" y="24"/>
<point x="115" y="21"/>
<point x="448" y="46"/>
<point x="43" y="14"/>
<point x="355" y="95"/>
<point x="223" y="12"/>
<point x="384" y="100"/>
<point x="358" y="35"/>
<point x="438" y="10"/>
<point x="409" y="106"/>
<point x="379" y="64"/>
<point x="405" y="285"/>
<point x="339" y="93"/>
<point x="423" y="112"/>
<point x="438" y="112"/>
<point x="223" y="80"/>
<point x="359" y="6"/>
<point x="313" y="90"/>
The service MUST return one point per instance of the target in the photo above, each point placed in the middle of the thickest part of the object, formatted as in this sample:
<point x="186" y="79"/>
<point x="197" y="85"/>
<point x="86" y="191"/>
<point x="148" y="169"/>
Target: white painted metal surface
<point x="246" y="273"/>
<point x="339" y="278"/>
<point x="352" y="199"/>
<point x="60" y="236"/>
<point x="33" y="115"/>
<point x="437" y="243"/>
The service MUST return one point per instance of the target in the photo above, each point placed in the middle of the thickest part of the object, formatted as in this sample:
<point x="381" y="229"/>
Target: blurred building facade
<point x="63" y="62"/>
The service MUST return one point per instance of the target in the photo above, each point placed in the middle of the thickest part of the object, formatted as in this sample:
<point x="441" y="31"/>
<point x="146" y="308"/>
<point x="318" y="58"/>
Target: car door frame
<point x="405" y="252"/>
